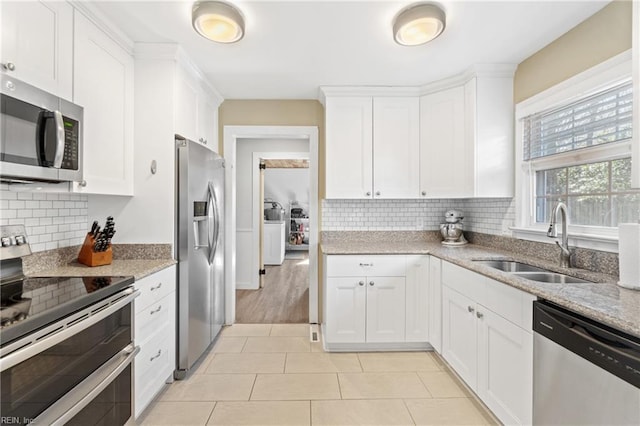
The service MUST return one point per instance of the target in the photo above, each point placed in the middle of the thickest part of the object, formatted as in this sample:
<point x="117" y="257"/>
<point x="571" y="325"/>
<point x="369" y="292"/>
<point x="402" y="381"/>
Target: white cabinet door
<point x="446" y="162"/>
<point x="435" y="304"/>
<point x="37" y="40"/>
<point x="459" y="335"/>
<point x="385" y="309"/>
<point x="349" y="133"/>
<point x="418" y="301"/>
<point x="346" y="310"/>
<point x="396" y="142"/>
<point x="208" y="122"/>
<point x="103" y="85"/>
<point x="505" y="368"/>
<point x="186" y="107"/>
<point x="273" y="243"/>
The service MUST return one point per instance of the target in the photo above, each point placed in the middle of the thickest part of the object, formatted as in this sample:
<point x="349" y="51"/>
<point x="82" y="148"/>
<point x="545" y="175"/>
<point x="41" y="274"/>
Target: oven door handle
<point x="87" y="390"/>
<point x="31" y="345"/>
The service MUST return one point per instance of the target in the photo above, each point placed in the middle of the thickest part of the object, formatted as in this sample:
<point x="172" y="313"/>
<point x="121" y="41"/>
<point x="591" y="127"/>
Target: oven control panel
<point x="13" y="242"/>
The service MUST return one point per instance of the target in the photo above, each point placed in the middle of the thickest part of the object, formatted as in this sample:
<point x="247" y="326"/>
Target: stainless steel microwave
<point x="40" y="135"/>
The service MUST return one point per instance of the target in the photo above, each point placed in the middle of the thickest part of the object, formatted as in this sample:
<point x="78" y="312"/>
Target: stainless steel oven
<point x="40" y="134"/>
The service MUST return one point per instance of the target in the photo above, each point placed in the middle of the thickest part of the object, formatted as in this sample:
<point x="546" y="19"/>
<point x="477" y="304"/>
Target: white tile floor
<point x="262" y="374"/>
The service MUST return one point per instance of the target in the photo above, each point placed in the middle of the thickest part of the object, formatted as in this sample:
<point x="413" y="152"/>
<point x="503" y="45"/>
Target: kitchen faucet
<point x="565" y="254"/>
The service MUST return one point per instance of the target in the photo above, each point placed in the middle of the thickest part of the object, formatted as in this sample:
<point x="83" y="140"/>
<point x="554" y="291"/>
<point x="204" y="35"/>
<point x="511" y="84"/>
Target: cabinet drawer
<point x="464" y="281"/>
<point x="510" y="303"/>
<point x="153" y="365"/>
<point x="154" y="317"/>
<point x="155" y="287"/>
<point x="362" y="266"/>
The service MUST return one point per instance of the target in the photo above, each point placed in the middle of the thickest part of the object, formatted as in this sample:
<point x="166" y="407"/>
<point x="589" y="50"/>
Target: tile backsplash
<point x="52" y="220"/>
<point x="486" y="215"/>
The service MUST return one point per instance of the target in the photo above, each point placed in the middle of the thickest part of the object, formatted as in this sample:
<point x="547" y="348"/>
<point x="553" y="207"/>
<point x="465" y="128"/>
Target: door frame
<point x="258" y="213"/>
<point x="231" y="134"/>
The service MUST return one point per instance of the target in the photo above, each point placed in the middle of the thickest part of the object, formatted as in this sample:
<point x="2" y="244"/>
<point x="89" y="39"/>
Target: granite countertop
<point x="602" y="300"/>
<point x="138" y="268"/>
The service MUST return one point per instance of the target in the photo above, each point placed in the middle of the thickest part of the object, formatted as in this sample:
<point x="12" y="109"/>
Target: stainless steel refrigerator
<point x="200" y="250"/>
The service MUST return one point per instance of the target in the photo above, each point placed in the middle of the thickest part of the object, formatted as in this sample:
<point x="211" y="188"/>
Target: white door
<point x="418" y="303"/>
<point x="385" y="309"/>
<point x="103" y="85"/>
<point x="435" y="304"/>
<point x="346" y="310"/>
<point x="444" y="154"/>
<point x="459" y="335"/>
<point x="37" y="42"/>
<point x="505" y="368"/>
<point x="348" y="147"/>
<point x="396" y="147"/>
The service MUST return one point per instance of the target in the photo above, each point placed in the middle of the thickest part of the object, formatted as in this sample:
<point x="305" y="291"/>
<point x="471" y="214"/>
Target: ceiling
<point x="291" y="48"/>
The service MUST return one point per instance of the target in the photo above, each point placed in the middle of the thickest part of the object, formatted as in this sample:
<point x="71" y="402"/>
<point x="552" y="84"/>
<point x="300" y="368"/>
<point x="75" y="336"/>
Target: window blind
<point x="605" y="117"/>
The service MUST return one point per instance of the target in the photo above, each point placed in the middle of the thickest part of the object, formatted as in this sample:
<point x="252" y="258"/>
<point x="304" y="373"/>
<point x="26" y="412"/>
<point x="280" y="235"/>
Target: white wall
<point x="244" y="197"/>
<point x="285" y="185"/>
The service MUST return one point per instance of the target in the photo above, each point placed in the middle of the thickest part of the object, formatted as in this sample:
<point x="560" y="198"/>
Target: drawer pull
<point x="479" y="315"/>
<point x="156" y="355"/>
<point x="361" y="283"/>
<point x="156" y="287"/>
<point x="156" y="310"/>
<point x="371" y="283"/>
<point x="470" y="309"/>
<point x="366" y="264"/>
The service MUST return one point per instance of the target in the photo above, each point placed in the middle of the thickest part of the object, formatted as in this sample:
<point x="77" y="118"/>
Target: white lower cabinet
<point x="491" y="349"/>
<point x="273" y="243"/>
<point x="375" y="302"/>
<point x="155" y="325"/>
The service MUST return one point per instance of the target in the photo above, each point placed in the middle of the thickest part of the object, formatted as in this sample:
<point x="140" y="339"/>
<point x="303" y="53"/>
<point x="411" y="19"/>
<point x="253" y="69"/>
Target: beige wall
<point x="602" y="36"/>
<point x="280" y="113"/>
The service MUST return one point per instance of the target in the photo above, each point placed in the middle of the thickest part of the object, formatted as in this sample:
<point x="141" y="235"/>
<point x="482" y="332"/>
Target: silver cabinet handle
<point x="361" y="283"/>
<point x="377" y="193"/>
<point x="479" y="314"/>
<point x="368" y="193"/>
<point x="203" y="141"/>
<point x="9" y="66"/>
<point x="155" y="311"/>
<point x="371" y="283"/>
<point x="470" y="309"/>
<point x="424" y="193"/>
<point x="156" y="355"/>
<point x="156" y="287"/>
<point x="366" y="264"/>
<point x="82" y="183"/>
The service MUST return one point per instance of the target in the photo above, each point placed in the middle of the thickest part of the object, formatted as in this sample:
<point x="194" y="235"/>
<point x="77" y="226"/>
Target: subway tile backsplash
<point x="486" y="215"/>
<point x="52" y="220"/>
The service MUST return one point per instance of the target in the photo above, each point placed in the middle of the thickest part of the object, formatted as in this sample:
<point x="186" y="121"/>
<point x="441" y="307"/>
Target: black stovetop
<point x="28" y="304"/>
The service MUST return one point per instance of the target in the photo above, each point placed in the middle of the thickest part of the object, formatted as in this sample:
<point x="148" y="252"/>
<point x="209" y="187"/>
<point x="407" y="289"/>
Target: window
<point x="574" y="145"/>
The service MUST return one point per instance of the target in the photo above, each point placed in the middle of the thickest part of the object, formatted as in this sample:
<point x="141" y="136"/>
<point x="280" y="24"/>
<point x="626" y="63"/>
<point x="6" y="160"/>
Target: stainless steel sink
<point x="530" y="272"/>
<point x="510" y="266"/>
<point x="550" y="277"/>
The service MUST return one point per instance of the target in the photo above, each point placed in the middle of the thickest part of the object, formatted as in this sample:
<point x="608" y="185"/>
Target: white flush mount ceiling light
<point x="418" y="24"/>
<point x="217" y="21"/>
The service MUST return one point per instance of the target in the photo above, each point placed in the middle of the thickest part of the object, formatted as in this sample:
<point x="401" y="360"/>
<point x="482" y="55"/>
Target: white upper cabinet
<point x="466" y="139"/>
<point x="103" y="85"/>
<point x="349" y="145"/>
<point x="443" y="153"/>
<point x="37" y="44"/>
<point x="196" y="109"/>
<point x="396" y="139"/>
<point x="371" y="147"/>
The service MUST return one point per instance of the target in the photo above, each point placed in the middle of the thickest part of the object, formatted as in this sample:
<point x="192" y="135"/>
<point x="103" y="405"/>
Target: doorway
<point x="280" y="293"/>
<point x="238" y="267"/>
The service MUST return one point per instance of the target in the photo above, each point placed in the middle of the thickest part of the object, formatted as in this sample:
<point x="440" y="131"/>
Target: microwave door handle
<point x="60" y="139"/>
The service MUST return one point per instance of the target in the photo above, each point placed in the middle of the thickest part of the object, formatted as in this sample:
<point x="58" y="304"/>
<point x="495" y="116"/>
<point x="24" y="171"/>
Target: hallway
<point x="283" y="299"/>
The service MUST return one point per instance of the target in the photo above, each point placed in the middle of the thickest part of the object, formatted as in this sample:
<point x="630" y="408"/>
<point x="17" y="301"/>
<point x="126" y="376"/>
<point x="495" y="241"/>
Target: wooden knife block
<point x="91" y="258"/>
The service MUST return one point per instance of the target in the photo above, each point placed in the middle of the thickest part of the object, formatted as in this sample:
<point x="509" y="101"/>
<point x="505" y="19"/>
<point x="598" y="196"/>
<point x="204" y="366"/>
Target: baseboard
<point x="245" y="286"/>
<point x="374" y="347"/>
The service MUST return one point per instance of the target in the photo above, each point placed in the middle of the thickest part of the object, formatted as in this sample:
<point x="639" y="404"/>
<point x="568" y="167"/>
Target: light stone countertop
<point x="138" y="268"/>
<point x="602" y="300"/>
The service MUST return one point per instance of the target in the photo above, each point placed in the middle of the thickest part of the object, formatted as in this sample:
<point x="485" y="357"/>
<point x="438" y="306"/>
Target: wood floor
<point x="283" y="299"/>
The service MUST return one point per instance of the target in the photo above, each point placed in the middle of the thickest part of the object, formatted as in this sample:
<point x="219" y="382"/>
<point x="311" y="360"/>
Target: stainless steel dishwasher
<point x="584" y="372"/>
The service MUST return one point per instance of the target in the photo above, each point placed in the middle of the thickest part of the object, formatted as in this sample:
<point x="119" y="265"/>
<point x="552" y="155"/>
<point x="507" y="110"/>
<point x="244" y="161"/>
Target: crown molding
<point x="366" y="91"/>
<point x="91" y="12"/>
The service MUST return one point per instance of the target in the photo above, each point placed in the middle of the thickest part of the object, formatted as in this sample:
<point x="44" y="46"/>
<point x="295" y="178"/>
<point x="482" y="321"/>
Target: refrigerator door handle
<point x="216" y="223"/>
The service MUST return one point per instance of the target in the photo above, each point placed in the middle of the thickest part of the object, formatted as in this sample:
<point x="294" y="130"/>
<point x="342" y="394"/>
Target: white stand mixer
<point x="451" y="230"/>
